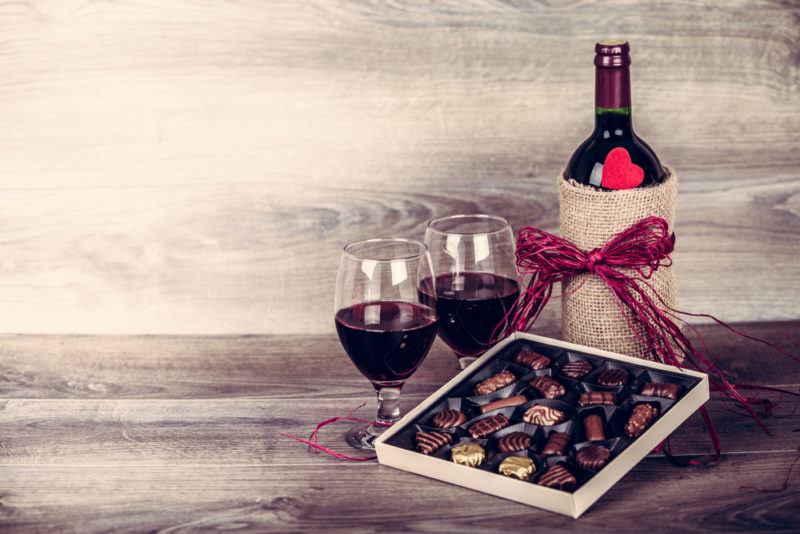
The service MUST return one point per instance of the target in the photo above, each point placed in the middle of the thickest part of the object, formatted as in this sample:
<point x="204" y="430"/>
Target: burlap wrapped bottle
<point x="589" y="218"/>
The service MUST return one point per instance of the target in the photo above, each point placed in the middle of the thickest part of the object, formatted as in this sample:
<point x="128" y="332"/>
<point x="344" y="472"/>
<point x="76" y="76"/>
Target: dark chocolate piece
<point x="488" y="426"/>
<point x="548" y="387"/>
<point x="531" y="359"/>
<point x="516" y="400"/>
<point x="539" y="414"/>
<point x="597" y="397"/>
<point x="666" y="391"/>
<point x="449" y="419"/>
<point x="558" y="477"/>
<point x="556" y="444"/>
<point x="592" y="457"/>
<point x="641" y="416"/>
<point x="576" y="369"/>
<point x="613" y="377"/>
<point x="516" y="441"/>
<point x="430" y="442"/>
<point x="493" y="383"/>
<point x="593" y="428"/>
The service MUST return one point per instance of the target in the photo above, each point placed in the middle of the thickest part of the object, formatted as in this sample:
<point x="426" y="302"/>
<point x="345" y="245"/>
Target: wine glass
<point x="385" y="323"/>
<point x="476" y="280"/>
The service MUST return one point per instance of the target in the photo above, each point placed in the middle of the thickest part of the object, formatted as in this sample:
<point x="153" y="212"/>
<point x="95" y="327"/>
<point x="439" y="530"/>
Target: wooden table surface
<point x="182" y="433"/>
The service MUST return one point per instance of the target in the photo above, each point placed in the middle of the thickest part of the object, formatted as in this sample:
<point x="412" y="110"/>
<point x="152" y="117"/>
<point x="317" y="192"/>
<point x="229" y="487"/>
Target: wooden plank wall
<point x="169" y="166"/>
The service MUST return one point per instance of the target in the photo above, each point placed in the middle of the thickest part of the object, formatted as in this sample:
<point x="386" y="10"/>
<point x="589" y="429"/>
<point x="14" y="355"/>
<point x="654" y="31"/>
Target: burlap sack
<point x="589" y="218"/>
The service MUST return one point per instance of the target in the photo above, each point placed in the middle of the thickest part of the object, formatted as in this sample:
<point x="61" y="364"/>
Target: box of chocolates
<point x="544" y="422"/>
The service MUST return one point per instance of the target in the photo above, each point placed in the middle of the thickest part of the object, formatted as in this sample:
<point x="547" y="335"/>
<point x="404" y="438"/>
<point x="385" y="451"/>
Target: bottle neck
<point x="612" y="100"/>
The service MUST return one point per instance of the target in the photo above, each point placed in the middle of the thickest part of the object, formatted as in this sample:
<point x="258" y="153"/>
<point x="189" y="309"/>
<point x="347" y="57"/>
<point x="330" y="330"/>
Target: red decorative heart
<point x="619" y="172"/>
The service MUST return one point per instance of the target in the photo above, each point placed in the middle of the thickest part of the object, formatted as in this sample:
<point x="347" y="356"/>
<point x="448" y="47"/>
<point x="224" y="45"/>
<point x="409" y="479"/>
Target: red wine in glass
<point x="386" y="340"/>
<point x="471" y="308"/>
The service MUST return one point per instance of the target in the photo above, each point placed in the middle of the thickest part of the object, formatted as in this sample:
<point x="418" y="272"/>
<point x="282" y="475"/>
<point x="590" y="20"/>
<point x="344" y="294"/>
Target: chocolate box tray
<point x="397" y="446"/>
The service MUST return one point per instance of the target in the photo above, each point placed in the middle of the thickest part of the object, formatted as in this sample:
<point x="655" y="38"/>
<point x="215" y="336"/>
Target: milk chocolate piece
<point x="531" y="359"/>
<point x="576" y="369"/>
<point x="493" y="383"/>
<point x="593" y="428"/>
<point x="556" y="444"/>
<point x="558" y="477"/>
<point x="449" y="419"/>
<point x="488" y="426"/>
<point x="592" y="457"/>
<point x="520" y="467"/>
<point x="666" y="391"/>
<point x="469" y="454"/>
<point x="516" y="441"/>
<point x="641" y="416"/>
<point x="430" y="442"/>
<point x="613" y="377"/>
<point x="516" y="400"/>
<point x="597" y="397"/>
<point x="548" y="387"/>
<point x="539" y="414"/>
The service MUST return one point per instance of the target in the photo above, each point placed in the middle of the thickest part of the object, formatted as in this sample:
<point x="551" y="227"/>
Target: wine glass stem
<point x="388" y="409"/>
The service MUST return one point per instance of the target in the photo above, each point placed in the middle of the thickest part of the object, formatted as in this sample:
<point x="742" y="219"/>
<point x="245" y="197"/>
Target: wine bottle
<point x="614" y="157"/>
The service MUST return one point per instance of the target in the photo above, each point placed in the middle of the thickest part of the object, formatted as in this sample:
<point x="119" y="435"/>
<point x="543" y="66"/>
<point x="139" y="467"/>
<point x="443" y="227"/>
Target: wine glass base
<point x="361" y="437"/>
<point x="465" y="361"/>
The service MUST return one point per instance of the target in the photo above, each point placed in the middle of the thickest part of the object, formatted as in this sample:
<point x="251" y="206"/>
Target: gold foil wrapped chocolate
<point x="469" y="454"/>
<point x="520" y="467"/>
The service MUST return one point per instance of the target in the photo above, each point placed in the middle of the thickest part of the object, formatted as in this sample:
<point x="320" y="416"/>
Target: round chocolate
<point x="513" y="442"/>
<point x="469" y="454"/>
<point x="449" y="419"/>
<point x="520" y="467"/>
<point x="592" y="457"/>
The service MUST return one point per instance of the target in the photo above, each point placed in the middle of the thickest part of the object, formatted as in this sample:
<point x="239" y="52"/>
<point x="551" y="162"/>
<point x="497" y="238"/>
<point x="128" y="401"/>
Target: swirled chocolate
<point x="513" y="442"/>
<point x="520" y="467"/>
<point x="592" y="457"/>
<point x="449" y="419"/>
<point x="641" y="416"/>
<point x="430" y="442"/>
<point x="591" y="398"/>
<point x="531" y="359"/>
<point x="548" y="387"/>
<point x="593" y="428"/>
<point x="666" y="391"/>
<point x="469" y="454"/>
<point x="488" y="425"/>
<point x="539" y="414"/>
<point x="558" y="477"/>
<point x="612" y="377"/>
<point x="576" y="369"/>
<point x="495" y="382"/>
<point x="516" y="400"/>
<point x="556" y="444"/>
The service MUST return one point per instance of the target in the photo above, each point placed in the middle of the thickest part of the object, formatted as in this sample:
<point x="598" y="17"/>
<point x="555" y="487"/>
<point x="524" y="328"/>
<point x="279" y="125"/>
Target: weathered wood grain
<point x="175" y="168"/>
<point x="342" y="497"/>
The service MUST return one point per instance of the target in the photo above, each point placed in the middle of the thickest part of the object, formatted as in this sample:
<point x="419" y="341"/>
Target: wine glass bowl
<point x="385" y="323"/>
<point x="475" y="279"/>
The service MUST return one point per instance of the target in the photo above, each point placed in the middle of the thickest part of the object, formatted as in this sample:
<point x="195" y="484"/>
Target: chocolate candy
<point x="558" y="477"/>
<point x="449" y="419"/>
<point x="593" y="428"/>
<point x="430" y="442"/>
<point x="641" y="416"/>
<point x="666" y="391"/>
<point x="556" y="444"/>
<point x="592" y="457"/>
<point x="597" y="397"/>
<point x="612" y="377"/>
<point x="516" y="441"/>
<point x="520" y="467"/>
<point x="539" y="414"/>
<point x="548" y="387"/>
<point x="533" y="360"/>
<point x="493" y="383"/>
<point x="488" y="426"/>
<point x="576" y="369"/>
<point x="516" y="400"/>
<point x="469" y="454"/>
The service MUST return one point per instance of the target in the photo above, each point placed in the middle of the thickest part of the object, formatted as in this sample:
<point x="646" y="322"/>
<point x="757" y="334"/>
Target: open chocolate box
<point x="578" y="440"/>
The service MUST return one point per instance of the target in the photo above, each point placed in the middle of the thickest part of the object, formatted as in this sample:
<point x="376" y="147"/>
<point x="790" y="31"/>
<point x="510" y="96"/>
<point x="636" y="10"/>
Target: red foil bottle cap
<point x="611" y="53"/>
